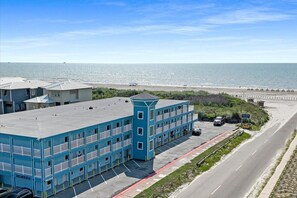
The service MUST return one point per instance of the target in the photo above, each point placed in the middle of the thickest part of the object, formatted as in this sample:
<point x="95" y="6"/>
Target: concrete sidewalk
<point x="148" y="181"/>
<point x="278" y="171"/>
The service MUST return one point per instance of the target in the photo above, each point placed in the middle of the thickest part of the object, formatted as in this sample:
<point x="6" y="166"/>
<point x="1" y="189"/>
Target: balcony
<point x="20" y="150"/>
<point x="178" y="123"/>
<point x="47" y="152"/>
<point x="61" y="148"/>
<point x="166" y="115"/>
<point x="37" y="153"/>
<point x="116" y="131"/>
<point x="104" y="134"/>
<point x="172" y="125"/>
<point x="61" y="167"/>
<point x="128" y="127"/>
<point x="179" y="111"/>
<point x="4" y="148"/>
<point x="117" y="146"/>
<point x="77" y="143"/>
<point x="92" y="155"/>
<point x="158" y="118"/>
<point x="92" y="138"/>
<point x="166" y="127"/>
<point x="38" y="172"/>
<point x="191" y="108"/>
<point x="24" y="170"/>
<point x="5" y="166"/>
<point x="127" y="142"/>
<point x="78" y="160"/>
<point x="105" y="150"/>
<point x="48" y="172"/>
<point x="173" y="113"/>
<point x="159" y="130"/>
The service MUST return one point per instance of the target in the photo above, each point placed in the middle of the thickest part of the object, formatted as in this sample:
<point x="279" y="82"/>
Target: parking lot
<point x="115" y="180"/>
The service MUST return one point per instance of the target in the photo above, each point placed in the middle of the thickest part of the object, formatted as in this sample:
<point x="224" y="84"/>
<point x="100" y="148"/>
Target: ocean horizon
<point x="233" y="75"/>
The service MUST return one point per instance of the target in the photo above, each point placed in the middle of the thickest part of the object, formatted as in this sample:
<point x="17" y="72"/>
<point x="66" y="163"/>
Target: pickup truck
<point x="219" y="121"/>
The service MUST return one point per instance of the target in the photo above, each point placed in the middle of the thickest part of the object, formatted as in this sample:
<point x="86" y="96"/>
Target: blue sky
<point x="142" y="31"/>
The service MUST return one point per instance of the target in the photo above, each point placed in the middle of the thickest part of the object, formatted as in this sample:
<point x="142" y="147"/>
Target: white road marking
<point x="103" y="179"/>
<point x="90" y="186"/>
<point x="115" y="172"/>
<point x="74" y="192"/>
<point x="213" y="192"/>
<point x="136" y="163"/>
<point x="254" y="152"/>
<point x="238" y="168"/>
<point x="127" y="167"/>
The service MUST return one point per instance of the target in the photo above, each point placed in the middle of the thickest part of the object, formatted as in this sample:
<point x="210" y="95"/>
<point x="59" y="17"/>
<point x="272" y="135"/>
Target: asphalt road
<point x="235" y="176"/>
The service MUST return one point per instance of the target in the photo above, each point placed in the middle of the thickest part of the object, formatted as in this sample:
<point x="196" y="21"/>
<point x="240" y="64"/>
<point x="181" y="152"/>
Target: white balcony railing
<point x="166" y="127"/>
<point x="20" y="150"/>
<point x="127" y="127"/>
<point x="127" y="142"/>
<point x="37" y="153"/>
<point x="116" y="131"/>
<point x="159" y="130"/>
<point x="61" y="148"/>
<point x="158" y="118"/>
<point x="172" y="125"/>
<point x="104" y="134"/>
<point x="4" y="148"/>
<point x="5" y="166"/>
<point x="117" y="146"/>
<point x="166" y="115"/>
<point x="77" y="143"/>
<point x="78" y="160"/>
<point x="179" y="111"/>
<point x="47" y="152"/>
<point x="24" y="170"/>
<point x="38" y="172"/>
<point x="173" y="113"/>
<point x="191" y="108"/>
<point x="48" y="172"/>
<point x="92" y="155"/>
<point x="105" y="150"/>
<point x="61" y="167"/>
<point x="92" y="138"/>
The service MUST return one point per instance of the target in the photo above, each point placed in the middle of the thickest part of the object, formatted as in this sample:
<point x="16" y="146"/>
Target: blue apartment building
<point x="49" y="150"/>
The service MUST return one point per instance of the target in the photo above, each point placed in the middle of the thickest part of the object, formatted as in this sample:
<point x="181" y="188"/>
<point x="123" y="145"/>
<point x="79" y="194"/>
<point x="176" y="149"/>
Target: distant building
<point x="39" y="102"/>
<point x="68" y="92"/>
<point x="49" y="150"/>
<point x="14" y="93"/>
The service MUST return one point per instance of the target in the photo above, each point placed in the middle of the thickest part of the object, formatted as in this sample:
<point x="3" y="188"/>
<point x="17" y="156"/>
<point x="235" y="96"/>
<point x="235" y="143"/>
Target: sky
<point x="143" y="31"/>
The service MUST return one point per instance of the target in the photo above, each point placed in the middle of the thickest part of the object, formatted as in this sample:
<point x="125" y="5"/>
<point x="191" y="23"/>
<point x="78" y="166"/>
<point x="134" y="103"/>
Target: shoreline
<point x="242" y="92"/>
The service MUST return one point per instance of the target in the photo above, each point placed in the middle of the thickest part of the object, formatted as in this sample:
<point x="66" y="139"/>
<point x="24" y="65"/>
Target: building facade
<point x="49" y="159"/>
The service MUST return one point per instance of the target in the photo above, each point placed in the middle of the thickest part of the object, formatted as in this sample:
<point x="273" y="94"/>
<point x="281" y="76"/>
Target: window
<point x="108" y="143"/>
<point x="140" y="115"/>
<point x="151" y="130"/>
<point x="152" y="114"/>
<point x="118" y="139"/>
<point x="139" y="131"/>
<point x="151" y="145"/>
<point x="81" y="169"/>
<point x="96" y="147"/>
<point x="108" y="127"/>
<point x="5" y="92"/>
<point x="33" y="92"/>
<point x="49" y="163"/>
<point x="66" y="157"/>
<point x="49" y="182"/>
<point x="49" y="143"/>
<point x="106" y="159"/>
<point x="66" y="139"/>
<point x="96" y="131"/>
<point x="118" y="124"/>
<point x="139" y="145"/>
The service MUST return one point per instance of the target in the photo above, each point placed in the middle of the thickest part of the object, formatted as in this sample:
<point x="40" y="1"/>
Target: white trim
<point x="150" y="130"/>
<point x="150" y="144"/>
<point x="138" y="115"/>
<point x="142" y="131"/>
<point x="139" y="148"/>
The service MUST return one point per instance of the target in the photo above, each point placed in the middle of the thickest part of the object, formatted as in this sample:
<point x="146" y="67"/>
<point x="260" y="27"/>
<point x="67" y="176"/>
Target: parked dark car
<point x="196" y="131"/>
<point x="219" y="121"/>
<point x="18" y="193"/>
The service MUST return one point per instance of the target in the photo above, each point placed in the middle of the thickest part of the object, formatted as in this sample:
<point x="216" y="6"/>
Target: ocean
<point x="277" y="76"/>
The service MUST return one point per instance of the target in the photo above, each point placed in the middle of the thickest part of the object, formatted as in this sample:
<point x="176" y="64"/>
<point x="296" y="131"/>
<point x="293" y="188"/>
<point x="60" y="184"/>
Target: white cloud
<point x="245" y="16"/>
